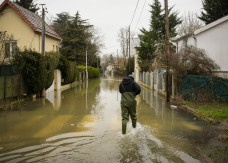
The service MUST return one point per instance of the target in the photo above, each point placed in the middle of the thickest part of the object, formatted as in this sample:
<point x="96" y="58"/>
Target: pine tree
<point x="76" y="39"/>
<point x="28" y="4"/>
<point x="213" y="10"/>
<point x="60" y="23"/>
<point x="153" y="39"/>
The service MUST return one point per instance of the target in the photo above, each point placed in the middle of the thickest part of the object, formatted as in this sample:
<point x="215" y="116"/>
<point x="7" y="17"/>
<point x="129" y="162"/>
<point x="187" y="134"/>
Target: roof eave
<point x="211" y="25"/>
<point x="180" y="38"/>
<point x="49" y="34"/>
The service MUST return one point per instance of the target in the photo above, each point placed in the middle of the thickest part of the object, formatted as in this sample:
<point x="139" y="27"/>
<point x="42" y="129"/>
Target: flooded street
<point x="84" y="125"/>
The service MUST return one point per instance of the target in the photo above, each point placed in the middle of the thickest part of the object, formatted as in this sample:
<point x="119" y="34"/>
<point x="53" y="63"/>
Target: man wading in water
<point x="128" y="89"/>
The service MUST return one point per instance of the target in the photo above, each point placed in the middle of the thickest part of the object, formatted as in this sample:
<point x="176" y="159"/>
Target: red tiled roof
<point x="33" y="20"/>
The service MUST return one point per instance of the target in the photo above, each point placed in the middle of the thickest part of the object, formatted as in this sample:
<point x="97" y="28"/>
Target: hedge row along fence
<point x="92" y="72"/>
<point x="37" y="70"/>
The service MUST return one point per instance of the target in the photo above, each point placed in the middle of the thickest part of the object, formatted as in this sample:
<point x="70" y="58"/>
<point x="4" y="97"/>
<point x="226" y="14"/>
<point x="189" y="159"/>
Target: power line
<point x="134" y="12"/>
<point x="140" y="15"/>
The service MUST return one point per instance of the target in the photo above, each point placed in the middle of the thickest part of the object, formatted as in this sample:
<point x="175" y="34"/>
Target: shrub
<point x="77" y="74"/>
<point x="192" y="61"/>
<point x="52" y="59"/>
<point x="67" y="69"/>
<point x="93" y="72"/>
<point x="37" y="71"/>
<point x="32" y="67"/>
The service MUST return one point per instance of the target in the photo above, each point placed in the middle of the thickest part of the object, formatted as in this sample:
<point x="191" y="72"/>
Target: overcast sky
<point x="110" y="15"/>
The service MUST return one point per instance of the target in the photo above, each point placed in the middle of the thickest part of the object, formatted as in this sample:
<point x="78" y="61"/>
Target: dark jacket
<point x="129" y="86"/>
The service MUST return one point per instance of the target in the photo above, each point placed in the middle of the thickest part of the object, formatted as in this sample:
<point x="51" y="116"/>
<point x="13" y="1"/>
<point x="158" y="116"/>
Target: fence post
<point x="146" y="78"/>
<point x="157" y="81"/>
<point x="152" y="80"/>
<point x="143" y="77"/>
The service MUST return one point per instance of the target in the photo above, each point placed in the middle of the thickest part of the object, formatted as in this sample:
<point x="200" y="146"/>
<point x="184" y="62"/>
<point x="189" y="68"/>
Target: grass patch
<point x="215" y="110"/>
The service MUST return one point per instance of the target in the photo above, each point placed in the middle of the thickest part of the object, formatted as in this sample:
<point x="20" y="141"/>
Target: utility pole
<point x="118" y="63"/>
<point x="86" y="65"/>
<point x="43" y="30"/>
<point x="129" y="48"/>
<point x="167" y="51"/>
<point x="126" y="52"/>
<point x="43" y="39"/>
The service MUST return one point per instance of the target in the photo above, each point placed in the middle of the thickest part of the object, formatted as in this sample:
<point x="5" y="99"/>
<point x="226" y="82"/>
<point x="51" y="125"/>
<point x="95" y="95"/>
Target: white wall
<point x="215" y="43"/>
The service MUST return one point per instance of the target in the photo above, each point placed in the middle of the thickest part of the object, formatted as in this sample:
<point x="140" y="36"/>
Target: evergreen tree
<point x="28" y="4"/>
<point x="78" y="35"/>
<point x="76" y="39"/>
<point x="60" y="23"/>
<point x="153" y="40"/>
<point x="213" y="10"/>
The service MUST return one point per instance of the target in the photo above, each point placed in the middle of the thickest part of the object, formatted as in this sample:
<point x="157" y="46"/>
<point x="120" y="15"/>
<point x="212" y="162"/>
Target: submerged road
<point x="83" y="124"/>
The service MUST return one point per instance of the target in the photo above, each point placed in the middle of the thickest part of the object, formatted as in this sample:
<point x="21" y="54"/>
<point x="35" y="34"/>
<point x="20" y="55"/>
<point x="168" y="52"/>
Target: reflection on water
<point x="84" y="124"/>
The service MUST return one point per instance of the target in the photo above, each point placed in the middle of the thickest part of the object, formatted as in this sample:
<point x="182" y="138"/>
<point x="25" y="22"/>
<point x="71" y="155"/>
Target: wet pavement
<point x="83" y="124"/>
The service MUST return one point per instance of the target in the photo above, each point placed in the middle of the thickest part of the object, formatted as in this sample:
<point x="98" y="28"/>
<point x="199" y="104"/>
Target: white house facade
<point x="213" y="38"/>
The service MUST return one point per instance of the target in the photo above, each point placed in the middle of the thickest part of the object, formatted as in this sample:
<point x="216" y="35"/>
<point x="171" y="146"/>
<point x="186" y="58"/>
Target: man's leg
<point x="132" y="112"/>
<point x="125" y="118"/>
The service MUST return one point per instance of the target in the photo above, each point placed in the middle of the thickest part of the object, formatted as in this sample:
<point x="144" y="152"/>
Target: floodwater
<point x="83" y="124"/>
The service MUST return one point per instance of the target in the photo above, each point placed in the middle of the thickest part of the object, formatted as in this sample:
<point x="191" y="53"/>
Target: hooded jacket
<point x="129" y="85"/>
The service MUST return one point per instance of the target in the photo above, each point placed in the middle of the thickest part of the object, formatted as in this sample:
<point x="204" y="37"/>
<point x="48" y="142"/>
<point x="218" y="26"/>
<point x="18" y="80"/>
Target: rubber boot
<point x="134" y="124"/>
<point x="124" y="128"/>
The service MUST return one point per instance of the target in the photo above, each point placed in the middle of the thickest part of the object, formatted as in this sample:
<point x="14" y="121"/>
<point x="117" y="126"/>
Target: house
<point x="213" y="39"/>
<point x="25" y="30"/>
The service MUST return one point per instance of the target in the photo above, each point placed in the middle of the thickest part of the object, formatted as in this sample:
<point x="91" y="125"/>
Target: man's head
<point x="131" y="76"/>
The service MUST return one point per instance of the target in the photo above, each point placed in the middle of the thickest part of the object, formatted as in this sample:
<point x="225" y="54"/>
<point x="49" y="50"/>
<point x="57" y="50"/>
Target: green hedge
<point x="52" y="59"/>
<point x="68" y="70"/>
<point x="93" y="72"/>
<point x="37" y="71"/>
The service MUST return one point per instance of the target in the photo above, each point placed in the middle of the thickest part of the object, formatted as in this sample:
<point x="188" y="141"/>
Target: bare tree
<point x="190" y="23"/>
<point x="123" y="38"/>
<point x="97" y="38"/>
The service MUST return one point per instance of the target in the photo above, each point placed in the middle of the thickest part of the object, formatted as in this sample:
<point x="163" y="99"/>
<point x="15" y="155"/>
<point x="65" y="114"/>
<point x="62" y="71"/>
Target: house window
<point x="57" y="48"/>
<point x="9" y="48"/>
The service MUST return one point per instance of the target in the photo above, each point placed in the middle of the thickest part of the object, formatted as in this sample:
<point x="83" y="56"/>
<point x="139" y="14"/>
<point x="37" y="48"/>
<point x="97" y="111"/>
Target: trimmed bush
<point x="67" y="69"/>
<point x="77" y="74"/>
<point x="52" y="59"/>
<point x="93" y="72"/>
<point x="37" y="71"/>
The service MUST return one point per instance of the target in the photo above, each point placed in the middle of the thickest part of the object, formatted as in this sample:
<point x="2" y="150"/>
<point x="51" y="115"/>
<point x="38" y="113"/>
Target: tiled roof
<point x="34" y="20"/>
